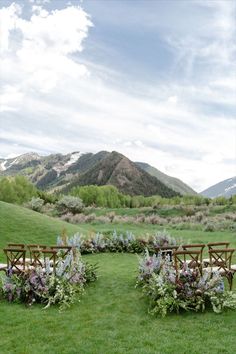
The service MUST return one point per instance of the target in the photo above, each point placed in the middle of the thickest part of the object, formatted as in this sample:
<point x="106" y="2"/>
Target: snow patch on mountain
<point x="3" y="165"/>
<point x="63" y="167"/>
<point x="231" y="187"/>
<point x="74" y="157"/>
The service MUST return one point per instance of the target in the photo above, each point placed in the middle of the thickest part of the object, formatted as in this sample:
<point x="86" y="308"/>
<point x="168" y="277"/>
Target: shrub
<point x="35" y="204"/>
<point x="210" y="227"/>
<point x="70" y="204"/>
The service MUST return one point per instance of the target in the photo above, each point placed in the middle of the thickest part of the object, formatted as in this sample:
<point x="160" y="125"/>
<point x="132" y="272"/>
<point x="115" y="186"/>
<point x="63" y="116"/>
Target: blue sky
<point x="154" y="80"/>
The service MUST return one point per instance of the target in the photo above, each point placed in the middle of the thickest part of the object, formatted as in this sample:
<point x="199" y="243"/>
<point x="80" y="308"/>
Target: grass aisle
<point x="112" y="319"/>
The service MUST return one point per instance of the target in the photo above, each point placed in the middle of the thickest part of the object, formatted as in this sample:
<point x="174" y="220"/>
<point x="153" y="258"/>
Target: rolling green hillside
<point x="18" y="224"/>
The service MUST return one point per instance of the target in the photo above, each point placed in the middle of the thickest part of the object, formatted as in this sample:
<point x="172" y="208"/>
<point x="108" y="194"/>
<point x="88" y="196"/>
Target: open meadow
<point x="112" y="316"/>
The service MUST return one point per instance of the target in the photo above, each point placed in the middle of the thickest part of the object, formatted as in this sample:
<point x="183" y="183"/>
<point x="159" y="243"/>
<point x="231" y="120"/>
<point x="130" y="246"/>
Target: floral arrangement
<point x="189" y="291"/>
<point x="126" y="242"/>
<point x="61" y="287"/>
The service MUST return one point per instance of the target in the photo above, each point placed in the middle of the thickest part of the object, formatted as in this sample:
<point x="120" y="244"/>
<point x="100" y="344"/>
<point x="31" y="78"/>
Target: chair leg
<point x="230" y="280"/>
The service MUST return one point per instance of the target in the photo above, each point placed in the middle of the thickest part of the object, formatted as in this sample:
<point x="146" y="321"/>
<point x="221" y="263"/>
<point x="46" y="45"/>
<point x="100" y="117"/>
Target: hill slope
<point x="18" y="224"/>
<point x="171" y="182"/>
<point x="224" y="188"/>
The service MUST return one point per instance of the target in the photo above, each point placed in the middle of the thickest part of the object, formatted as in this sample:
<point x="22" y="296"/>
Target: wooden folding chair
<point x="212" y="246"/>
<point x="34" y="247"/>
<point x="40" y="256"/>
<point x="187" y="259"/>
<point x="220" y="261"/>
<point x="195" y="247"/>
<point x="63" y="250"/>
<point x="15" y="259"/>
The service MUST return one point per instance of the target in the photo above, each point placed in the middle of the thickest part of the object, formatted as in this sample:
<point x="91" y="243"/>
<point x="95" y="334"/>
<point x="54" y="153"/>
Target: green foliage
<point x="47" y="197"/>
<point x="70" y="204"/>
<point x="16" y="189"/>
<point x="103" y="196"/>
<point x="110" y="197"/>
<point x="35" y="204"/>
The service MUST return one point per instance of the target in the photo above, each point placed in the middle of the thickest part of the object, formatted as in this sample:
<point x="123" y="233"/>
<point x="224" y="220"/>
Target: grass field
<point x="112" y="316"/>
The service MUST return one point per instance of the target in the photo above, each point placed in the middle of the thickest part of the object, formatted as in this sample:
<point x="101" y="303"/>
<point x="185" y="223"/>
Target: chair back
<point x="213" y="245"/>
<point x="194" y="247"/>
<point x="63" y="250"/>
<point x="51" y="255"/>
<point x="40" y="256"/>
<point x="15" y="259"/>
<point x="190" y="259"/>
<point x="221" y="258"/>
<point x="35" y="247"/>
<point x="16" y="245"/>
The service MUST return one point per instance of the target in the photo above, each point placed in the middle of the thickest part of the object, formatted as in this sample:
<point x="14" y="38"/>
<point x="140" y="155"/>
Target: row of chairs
<point x="17" y="262"/>
<point x="220" y="258"/>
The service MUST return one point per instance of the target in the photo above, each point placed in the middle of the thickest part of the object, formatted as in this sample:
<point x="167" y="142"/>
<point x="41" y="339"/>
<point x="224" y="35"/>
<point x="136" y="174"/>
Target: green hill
<point x="18" y="224"/>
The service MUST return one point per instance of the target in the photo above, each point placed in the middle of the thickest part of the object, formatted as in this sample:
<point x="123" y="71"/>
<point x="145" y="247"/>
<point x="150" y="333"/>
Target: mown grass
<point x="112" y="317"/>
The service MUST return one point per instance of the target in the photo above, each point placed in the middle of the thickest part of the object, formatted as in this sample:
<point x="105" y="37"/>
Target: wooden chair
<point x="212" y="246"/>
<point x="221" y="261"/>
<point x="40" y="256"/>
<point x="15" y="259"/>
<point x="195" y="247"/>
<point x="63" y="250"/>
<point x="189" y="259"/>
<point x="34" y="247"/>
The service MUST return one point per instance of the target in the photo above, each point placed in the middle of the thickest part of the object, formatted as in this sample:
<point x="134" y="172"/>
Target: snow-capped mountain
<point x="225" y="188"/>
<point x="60" y="172"/>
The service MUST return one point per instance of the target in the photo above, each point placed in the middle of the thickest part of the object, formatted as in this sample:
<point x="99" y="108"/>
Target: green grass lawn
<point x="112" y="316"/>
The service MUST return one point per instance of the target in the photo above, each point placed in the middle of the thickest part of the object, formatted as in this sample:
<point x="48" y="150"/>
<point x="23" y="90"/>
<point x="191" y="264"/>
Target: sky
<point x="152" y="79"/>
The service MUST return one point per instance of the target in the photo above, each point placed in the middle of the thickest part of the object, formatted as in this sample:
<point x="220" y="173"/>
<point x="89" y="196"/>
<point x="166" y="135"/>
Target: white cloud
<point x="44" y="42"/>
<point x="61" y="104"/>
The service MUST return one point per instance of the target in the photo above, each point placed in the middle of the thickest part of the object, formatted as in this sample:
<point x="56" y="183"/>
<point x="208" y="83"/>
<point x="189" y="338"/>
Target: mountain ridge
<point x="57" y="172"/>
<point x="225" y="188"/>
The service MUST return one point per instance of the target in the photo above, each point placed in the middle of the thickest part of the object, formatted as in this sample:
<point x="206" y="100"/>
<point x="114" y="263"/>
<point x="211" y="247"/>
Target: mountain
<point x="225" y="188"/>
<point x="171" y="182"/>
<point x="117" y="170"/>
<point x="58" y="172"/>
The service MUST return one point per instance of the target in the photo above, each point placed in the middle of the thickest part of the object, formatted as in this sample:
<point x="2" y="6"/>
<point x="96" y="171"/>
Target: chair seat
<point x="27" y="260"/>
<point x="214" y="269"/>
<point x="233" y="267"/>
<point x="3" y="266"/>
<point x="206" y="261"/>
<point x="18" y="268"/>
<point x="188" y="261"/>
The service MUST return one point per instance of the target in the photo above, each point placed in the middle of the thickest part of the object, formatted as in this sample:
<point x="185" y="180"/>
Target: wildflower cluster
<point x="40" y="285"/>
<point x="189" y="290"/>
<point x="126" y="242"/>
